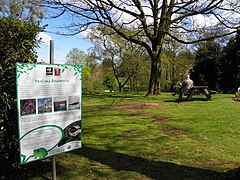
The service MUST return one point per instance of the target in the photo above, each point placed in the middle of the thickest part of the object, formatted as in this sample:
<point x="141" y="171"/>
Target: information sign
<point x="49" y="99"/>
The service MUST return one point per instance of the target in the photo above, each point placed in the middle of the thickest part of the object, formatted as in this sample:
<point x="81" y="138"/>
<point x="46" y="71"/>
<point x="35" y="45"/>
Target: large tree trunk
<point x="154" y="86"/>
<point x="120" y="87"/>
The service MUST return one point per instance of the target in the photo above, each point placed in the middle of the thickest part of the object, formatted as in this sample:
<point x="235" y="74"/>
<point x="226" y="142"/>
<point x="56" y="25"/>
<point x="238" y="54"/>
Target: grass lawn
<point x="130" y="136"/>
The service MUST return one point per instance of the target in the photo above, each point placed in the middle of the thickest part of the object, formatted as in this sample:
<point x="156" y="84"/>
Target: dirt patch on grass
<point x="160" y="118"/>
<point x="129" y="133"/>
<point x="138" y="106"/>
<point x="137" y="109"/>
<point x="172" y="132"/>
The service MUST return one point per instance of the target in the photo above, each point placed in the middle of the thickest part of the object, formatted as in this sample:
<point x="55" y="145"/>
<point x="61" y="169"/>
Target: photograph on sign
<point x="28" y="106"/>
<point x="44" y="105"/>
<point x="49" y="109"/>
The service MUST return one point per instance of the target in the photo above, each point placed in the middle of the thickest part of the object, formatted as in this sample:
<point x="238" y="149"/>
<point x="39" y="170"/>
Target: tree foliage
<point x="229" y="65"/>
<point x="120" y="56"/>
<point x="17" y="44"/>
<point x="177" y="61"/>
<point x="76" y="56"/>
<point x="206" y="67"/>
<point x="217" y="65"/>
<point x="26" y="10"/>
<point x="109" y="81"/>
<point x="88" y="61"/>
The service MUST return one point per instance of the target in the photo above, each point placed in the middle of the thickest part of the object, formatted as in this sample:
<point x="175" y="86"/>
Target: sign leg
<point x="54" y="168"/>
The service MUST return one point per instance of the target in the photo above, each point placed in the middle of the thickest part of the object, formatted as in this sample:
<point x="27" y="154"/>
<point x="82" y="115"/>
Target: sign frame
<point x="49" y="103"/>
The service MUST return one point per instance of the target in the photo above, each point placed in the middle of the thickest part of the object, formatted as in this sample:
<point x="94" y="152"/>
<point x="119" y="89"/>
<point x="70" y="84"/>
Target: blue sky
<point x="62" y="45"/>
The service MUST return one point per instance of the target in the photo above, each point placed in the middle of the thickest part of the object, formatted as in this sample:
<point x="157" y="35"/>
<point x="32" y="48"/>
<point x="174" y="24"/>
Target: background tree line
<point x="217" y="65"/>
<point x="152" y="24"/>
<point x="115" y="64"/>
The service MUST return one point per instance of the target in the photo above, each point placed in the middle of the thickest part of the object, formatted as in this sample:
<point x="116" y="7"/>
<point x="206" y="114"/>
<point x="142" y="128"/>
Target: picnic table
<point x="198" y="90"/>
<point x="237" y="96"/>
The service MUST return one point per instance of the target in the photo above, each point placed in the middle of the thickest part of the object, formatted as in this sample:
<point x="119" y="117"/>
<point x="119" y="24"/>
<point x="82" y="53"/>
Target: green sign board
<point x="49" y="99"/>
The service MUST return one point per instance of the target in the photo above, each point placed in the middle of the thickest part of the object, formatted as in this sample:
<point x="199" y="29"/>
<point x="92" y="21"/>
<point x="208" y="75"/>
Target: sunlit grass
<point x="200" y="137"/>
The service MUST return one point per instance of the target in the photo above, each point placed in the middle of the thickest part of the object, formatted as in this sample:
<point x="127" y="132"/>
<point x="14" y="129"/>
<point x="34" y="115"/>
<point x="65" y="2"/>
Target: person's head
<point x="187" y="76"/>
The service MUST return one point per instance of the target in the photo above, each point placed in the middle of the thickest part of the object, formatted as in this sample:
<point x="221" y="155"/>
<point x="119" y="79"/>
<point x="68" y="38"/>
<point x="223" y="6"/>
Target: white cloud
<point x="45" y="38"/>
<point x="85" y="33"/>
<point x="204" y="21"/>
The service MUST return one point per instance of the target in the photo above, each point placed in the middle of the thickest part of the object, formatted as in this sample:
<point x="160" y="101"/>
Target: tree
<point x="206" y="68"/>
<point x="229" y="66"/>
<point x="89" y="63"/>
<point x="76" y="56"/>
<point x="149" y="23"/>
<point x="122" y="55"/>
<point x="109" y="81"/>
<point x="177" y="61"/>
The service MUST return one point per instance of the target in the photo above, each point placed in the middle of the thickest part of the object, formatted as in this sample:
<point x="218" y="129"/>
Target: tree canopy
<point x="124" y="56"/>
<point x="76" y="56"/>
<point x="149" y="23"/>
<point x="25" y="10"/>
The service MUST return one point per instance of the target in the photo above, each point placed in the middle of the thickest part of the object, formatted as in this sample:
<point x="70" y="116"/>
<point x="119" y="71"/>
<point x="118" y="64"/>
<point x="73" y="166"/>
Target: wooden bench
<point x="198" y="90"/>
<point x="237" y="96"/>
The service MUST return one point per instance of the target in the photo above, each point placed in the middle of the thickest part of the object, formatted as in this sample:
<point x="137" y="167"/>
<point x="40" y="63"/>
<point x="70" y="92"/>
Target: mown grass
<point x="130" y="136"/>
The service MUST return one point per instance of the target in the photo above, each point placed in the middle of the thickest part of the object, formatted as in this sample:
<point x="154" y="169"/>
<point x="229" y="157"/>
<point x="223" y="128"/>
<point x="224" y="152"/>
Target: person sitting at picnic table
<point x="237" y="95"/>
<point x="186" y="85"/>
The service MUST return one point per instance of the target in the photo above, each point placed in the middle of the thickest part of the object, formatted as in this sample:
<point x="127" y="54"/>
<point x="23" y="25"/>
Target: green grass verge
<point x="130" y="136"/>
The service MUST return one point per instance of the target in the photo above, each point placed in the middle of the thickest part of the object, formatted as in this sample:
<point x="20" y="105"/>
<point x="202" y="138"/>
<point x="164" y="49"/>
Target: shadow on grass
<point x="153" y="169"/>
<point x="111" y="95"/>
<point x="120" y="162"/>
<point x="184" y="100"/>
<point x="36" y="169"/>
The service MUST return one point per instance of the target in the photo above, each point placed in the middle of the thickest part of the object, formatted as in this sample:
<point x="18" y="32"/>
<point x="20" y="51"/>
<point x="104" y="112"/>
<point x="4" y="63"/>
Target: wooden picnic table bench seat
<point x="198" y="90"/>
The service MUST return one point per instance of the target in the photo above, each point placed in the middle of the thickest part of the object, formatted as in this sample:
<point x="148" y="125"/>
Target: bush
<point x="17" y="44"/>
<point x="109" y="82"/>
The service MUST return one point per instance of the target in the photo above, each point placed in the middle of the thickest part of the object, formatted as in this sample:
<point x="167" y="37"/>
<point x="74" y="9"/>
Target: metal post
<point x="51" y="52"/>
<point x="54" y="168"/>
<point x="53" y="157"/>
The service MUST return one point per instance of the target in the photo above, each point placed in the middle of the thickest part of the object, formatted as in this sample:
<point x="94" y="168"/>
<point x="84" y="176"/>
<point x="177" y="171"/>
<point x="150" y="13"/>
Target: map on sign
<point x="49" y="109"/>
